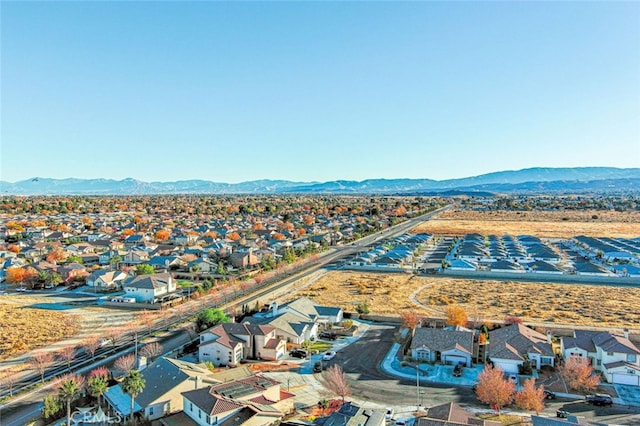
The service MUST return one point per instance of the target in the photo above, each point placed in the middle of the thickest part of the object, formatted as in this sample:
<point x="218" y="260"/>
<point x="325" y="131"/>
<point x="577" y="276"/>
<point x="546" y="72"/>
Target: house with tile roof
<point x="442" y="345"/>
<point x="451" y="414"/>
<point x="610" y="352"/>
<point x="510" y="346"/>
<point x="230" y="343"/>
<point x="254" y="400"/>
<point x="165" y="380"/>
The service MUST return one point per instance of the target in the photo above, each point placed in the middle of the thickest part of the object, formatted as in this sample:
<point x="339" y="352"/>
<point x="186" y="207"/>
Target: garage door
<point x="626" y="379"/>
<point x="455" y="359"/>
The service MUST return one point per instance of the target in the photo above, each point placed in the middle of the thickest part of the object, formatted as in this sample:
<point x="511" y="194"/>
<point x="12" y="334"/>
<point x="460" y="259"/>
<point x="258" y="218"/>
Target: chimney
<point x="549" y="337"/>
<point x="274" y="309"/>
<point x="197" y="379"/>
<point x="626" y="333"/>
<point x="142" y="362"/>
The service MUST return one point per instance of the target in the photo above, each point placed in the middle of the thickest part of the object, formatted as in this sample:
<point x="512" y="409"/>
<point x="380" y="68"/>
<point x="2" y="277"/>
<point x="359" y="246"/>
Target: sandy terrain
<point x="391" y="294"/>
<point x="542" y="224"/>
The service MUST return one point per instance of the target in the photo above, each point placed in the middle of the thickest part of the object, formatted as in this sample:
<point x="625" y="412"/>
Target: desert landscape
<point x="543" y="224"/>
<point x="393" y="293"/>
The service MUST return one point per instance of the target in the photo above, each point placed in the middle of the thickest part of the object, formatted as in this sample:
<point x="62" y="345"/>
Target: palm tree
<point x="69" y="389"/>
<point x="98" y="383"/>
<point x="133" y="385"/>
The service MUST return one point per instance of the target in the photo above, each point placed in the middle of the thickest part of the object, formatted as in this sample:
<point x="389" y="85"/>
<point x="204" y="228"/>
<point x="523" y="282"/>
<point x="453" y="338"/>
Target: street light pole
<point x="417" y="387"/>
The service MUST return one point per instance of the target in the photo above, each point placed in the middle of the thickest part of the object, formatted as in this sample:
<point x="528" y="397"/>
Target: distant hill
<point x="539" y="179"/>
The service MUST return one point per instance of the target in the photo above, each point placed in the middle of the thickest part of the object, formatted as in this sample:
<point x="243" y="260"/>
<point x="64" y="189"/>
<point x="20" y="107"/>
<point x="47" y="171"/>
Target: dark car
<point x="549" y="395"/>
<point x="474" y="388"/>
<point x="298" y="353"/>
<point x="317" y="367"/>
<point x="457" y="370"/>
<point x="562" y="414"/>
<point x="599" y="399"/>
<point x="328" y="335"/>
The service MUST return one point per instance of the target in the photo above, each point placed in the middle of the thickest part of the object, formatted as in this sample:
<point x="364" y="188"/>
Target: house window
<point x="199" y="414"/>
<point x="151" y="411"/>
<point x="191" y="406"/>
<point x="631" y="358"/>
<point x="609" y="353"/>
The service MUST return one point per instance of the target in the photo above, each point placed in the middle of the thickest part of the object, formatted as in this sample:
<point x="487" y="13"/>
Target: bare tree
<point x="91" y="345"/>
<point x="8" y="378"/>
<point x="147" y="318"/>
<point x="41" y="361"/>
<point x="125" y="363"/>
<point x="530" y="397"/>
<point x="113" y="334"/>
<point x="578" y="374"/>
<point x="67" y="354"/>
<point x="336" y="381"/>
<point x="493" y="388"/>
<point x="151" y="350"/>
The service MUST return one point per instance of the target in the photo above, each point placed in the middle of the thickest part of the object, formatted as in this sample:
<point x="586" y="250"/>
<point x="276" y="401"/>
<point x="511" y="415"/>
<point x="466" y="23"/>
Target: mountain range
<point x="532" y="180"/>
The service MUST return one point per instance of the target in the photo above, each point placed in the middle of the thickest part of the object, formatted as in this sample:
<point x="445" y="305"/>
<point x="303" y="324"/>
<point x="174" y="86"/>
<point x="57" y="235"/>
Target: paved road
<point x="362" y="361"/>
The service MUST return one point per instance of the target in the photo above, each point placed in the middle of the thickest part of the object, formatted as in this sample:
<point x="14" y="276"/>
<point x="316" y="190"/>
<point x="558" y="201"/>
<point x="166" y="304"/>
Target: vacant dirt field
<point x="542" y="224"/>
<point x="24" y="328"/>
<point x="391" y="294"/>
<point x="25" y="324"/>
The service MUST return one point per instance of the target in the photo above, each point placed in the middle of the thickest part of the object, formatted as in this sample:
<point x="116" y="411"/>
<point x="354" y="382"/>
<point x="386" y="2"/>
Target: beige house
<point x="165" y="380"/>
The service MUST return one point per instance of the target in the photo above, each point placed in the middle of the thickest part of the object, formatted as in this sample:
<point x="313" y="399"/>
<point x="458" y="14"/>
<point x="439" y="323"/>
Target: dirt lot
<point x="24" y="328"/>
<point x="390" y="294"/>
<point x="30" y="322"/>
<point x="542" y="224"/>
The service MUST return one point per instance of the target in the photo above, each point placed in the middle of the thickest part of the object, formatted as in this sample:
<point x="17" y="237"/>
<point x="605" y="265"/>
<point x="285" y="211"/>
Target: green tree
<point x="221" y="270"/>
<point x="70" y="389"/>
<point x="210" y="317"/>
<point x="51" y="406"/>
<point x="74" y="259"/>
<point x="144" y="269"/>
<point x="133" y="385"/>
<point x="115" y="261"/>
<point x="98" y="383"/>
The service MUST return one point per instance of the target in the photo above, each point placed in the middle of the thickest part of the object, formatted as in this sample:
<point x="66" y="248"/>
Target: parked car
<point x="513" y="378"/>
<point x="563" y="414"/>
<point x="298" y="353"/>
<point x="457" y="370"/>
<point x="549" y="395"/>
<point x="328" y="335"/>
<point x="388" y="416"/>
<point x="474" y="388"/>
<point x="328" y="356"/>
<point x="317" y="367"/>
<point x="599" y="399"/>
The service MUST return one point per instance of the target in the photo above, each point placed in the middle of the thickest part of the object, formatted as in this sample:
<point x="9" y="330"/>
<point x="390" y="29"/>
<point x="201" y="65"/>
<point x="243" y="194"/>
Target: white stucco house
<point x="610" y="352"/>
<point x="228" y="344"/>
<point x="147" y="288"/>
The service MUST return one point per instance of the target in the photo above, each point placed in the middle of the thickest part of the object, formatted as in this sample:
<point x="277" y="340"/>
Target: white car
<point x="328" y="356"/>
<point x="389" y="414"/>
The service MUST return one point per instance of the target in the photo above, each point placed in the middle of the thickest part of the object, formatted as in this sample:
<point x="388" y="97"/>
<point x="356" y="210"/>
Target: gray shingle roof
<point x="514" y="341"/>
<point x="437" y="339"/>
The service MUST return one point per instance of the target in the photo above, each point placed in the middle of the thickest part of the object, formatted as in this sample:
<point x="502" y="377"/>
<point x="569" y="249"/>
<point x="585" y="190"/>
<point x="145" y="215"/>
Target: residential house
<point x="243" y="259"/>
<point x="165" y="380"/>
<point x="319" y="313"/>
<point x="351" y="414"/>
<point x="147" y="288"/>
<point x="291" y="325"/>
<point x="610" y="352"/>
<point x="510" y="346"/>
<point x="135" y="257"/>
<point x="451" y="414"/>
<point x="72" y="271"/>
<point x="105" y="279"/>
<point x="252" y="401"/>
<point x="443" y="345"/>
<point x="230" y="343"/>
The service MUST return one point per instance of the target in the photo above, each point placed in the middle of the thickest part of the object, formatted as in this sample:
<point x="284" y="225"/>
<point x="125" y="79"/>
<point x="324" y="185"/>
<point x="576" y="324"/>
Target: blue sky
<point x="316" y="91"/>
